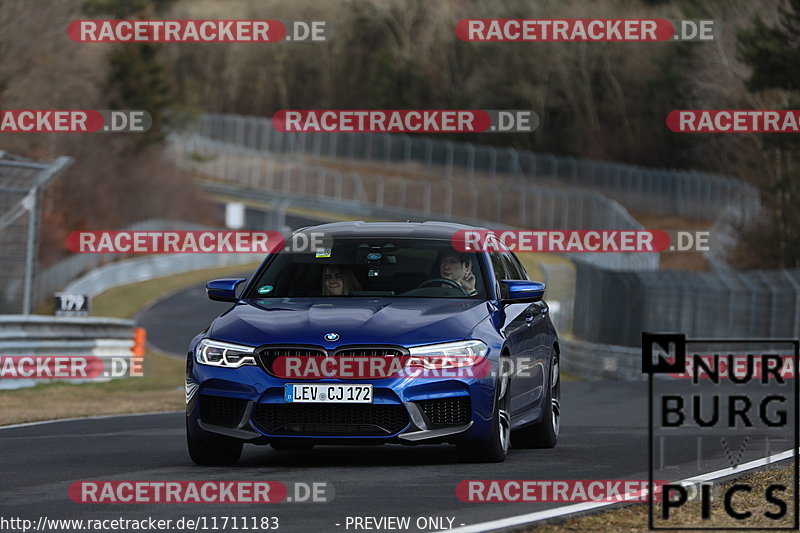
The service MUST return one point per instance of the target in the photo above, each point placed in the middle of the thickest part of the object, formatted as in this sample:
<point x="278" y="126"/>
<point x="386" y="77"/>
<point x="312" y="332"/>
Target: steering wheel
<point x="450" y="282"/>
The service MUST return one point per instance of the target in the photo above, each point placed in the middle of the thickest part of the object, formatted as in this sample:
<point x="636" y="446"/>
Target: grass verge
<point x="160" y="389"/>
<point x="127" y="300"/>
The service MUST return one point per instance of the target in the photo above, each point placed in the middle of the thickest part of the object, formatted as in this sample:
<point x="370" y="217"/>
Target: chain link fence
<point x="663" y="191"/>
<point x="480" y="203"/>
<point x="22" y="182"/>
<point x="615" y="307"/>
<point x="560" y="295"/>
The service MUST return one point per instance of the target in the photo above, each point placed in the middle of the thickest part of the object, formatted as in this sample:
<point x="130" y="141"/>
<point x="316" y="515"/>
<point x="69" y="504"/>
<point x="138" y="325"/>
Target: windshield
<point x="373" y="267"/>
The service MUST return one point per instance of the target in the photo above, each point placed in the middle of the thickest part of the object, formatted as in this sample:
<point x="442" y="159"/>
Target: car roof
<point x="410" y="230"/>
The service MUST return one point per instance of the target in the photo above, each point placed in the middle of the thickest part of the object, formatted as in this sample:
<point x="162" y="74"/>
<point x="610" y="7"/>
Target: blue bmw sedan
<point x="376" y="333"/>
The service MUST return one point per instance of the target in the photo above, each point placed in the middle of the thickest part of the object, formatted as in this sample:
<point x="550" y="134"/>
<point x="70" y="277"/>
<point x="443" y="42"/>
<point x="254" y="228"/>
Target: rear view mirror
<point x="521" y="291"/>
<point x="223" y="290"/>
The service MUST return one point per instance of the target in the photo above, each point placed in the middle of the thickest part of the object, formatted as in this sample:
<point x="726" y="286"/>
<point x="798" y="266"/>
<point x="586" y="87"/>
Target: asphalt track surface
<point x="603" y="436"/>
<point x="40" y="462"/>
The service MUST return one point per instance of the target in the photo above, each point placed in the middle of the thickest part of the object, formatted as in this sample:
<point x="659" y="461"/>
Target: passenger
<point x="457" y="267"/>
<point x="338" y="281"/>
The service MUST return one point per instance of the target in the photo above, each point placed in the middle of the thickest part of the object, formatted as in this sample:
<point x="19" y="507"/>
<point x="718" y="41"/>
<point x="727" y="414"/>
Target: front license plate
<point x="327" y="393"/>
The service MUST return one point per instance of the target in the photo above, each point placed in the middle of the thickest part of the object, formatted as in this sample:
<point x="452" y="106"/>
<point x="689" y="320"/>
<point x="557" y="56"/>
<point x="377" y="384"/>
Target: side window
<point x="515" y="268"/>
<point x="499" y="265"/>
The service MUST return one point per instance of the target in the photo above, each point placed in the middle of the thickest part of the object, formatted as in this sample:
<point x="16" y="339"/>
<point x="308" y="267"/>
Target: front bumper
<point x="248" y="404"/>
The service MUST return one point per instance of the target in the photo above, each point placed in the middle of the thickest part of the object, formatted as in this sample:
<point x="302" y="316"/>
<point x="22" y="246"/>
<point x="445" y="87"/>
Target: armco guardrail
<point x="664" y="191"/>
<point x="508" y="203"/>
<point x="145" y="268"/>
<point x="595" y="362"/>
<point x="614" y="261"/>
<point x="101" y="337"/>
<point x="57" y="276"/>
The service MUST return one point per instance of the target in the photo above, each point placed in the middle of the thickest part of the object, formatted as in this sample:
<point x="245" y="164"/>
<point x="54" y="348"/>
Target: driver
<point x="457" y="267"/>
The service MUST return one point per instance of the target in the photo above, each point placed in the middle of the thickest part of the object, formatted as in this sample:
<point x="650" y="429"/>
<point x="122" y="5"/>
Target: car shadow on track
<point x="350" y="456"/>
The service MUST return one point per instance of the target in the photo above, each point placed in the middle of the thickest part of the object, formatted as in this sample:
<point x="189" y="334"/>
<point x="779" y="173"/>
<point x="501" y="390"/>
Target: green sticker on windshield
<point x="265" y="289"/>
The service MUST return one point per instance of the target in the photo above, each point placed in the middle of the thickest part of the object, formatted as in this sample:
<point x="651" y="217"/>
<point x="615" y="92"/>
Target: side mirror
<point x="223" y="290"/>
<point x="523" y="291"/>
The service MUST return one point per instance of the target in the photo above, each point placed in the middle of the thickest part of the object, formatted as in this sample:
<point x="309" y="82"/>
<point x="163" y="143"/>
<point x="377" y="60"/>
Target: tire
<point x="289" y="445"/>
<point x="213" y="452"/>
<point x="544" y="434"/>
<point x="495" y="448"/>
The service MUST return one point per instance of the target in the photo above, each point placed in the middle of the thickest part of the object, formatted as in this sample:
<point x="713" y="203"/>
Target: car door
<point x="532" y="345"/>
<point x="515" y="329"/>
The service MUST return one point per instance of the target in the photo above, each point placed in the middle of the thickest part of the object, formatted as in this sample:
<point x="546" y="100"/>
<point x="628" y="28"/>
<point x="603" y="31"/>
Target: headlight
<point x="448" y="355"/>
<point x="218" y="353"/>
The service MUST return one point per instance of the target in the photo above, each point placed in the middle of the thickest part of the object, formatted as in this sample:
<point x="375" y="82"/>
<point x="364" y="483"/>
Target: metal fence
<point x="663" y="191"/>
<point x="560" y="295"/>
<point x="22" y="182"/>
<point x="615" y="307"/>
<point x="487" y="203"/>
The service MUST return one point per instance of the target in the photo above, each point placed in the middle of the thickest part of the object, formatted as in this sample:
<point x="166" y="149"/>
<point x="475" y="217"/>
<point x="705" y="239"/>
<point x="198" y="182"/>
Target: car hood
<point x="407" y="322"/>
